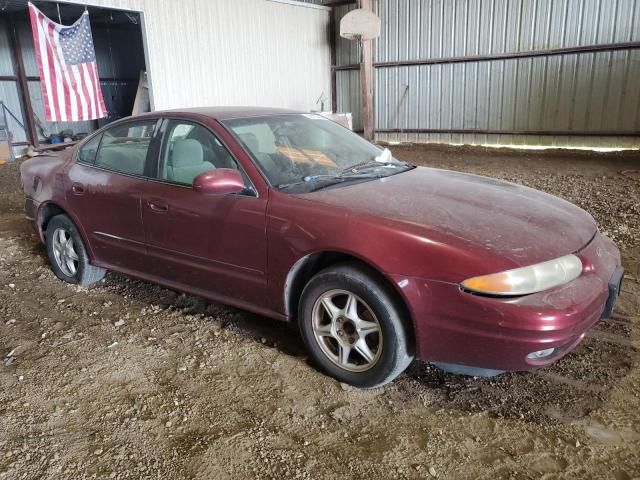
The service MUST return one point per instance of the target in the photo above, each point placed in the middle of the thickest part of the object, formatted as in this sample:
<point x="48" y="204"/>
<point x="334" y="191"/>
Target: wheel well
<point x="46" y="213"/>
<point x="305" y="268"/>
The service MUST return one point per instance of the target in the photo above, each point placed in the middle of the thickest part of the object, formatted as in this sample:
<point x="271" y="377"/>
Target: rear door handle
<point x="157" y="206"/>
<point x="77" y="188"/>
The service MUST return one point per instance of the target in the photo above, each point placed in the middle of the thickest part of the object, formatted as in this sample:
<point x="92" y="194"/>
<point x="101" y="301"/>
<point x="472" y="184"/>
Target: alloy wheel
<point x="64" y="252"/>
<point x="347" y="330"/>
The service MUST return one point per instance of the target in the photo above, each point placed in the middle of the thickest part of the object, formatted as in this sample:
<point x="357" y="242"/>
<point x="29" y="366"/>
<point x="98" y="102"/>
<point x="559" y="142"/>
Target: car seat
<point x="186" y="161"/>
<point x="266" y="162"/>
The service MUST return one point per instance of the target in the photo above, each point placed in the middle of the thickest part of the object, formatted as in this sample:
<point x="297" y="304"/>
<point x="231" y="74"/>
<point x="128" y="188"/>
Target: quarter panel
<point x="43" y="177"/>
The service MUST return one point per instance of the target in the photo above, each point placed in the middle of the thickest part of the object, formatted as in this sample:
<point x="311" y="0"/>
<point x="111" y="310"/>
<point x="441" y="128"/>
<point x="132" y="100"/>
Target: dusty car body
<point x="421" y="232"/>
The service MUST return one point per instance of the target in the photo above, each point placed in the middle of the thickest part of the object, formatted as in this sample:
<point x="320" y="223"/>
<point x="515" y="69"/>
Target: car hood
<point x="520" y="225"/>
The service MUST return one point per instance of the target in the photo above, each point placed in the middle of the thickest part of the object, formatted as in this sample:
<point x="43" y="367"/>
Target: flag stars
<point x="77" y="43"/>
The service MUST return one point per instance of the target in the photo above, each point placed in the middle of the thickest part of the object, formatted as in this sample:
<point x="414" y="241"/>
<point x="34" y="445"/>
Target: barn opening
<point x="120" y="56"/>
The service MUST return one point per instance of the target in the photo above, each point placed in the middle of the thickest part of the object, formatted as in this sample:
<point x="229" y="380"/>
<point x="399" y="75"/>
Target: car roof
<point x="228" y="113"/>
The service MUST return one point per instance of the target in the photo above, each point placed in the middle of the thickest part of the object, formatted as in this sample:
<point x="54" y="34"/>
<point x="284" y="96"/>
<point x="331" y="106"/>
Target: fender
<point x="40" y="222"/>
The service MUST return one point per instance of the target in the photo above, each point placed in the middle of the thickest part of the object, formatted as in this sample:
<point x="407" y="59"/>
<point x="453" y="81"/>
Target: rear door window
<point x="124" y="148"/>
<point x="87" y="153"/>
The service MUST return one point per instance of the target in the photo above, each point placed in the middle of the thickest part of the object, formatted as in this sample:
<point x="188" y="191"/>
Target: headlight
<point x="526" y="280"/>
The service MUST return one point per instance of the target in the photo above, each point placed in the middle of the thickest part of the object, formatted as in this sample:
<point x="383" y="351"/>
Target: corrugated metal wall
<point x="9" y="89"/>
<point x="573" y="92"/>
<point x="234" y="52"/>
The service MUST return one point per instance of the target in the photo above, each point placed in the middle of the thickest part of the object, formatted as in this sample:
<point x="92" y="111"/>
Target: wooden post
<point x="366" y="79"/>
<point x="141" y="103"/>
<point x="23" y="86"/>
<point x="333" y="55"/>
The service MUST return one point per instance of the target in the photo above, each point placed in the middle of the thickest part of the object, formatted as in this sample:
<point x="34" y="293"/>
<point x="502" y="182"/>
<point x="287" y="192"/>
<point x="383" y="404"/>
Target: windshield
<point x="303" y="152"/>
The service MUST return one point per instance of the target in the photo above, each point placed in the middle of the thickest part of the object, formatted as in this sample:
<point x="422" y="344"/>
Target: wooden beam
<point x="56" y="146"/>
<point x="333" y="54"/>
<point x="366" y="79"/>
<point x="141" y="102"/>
<point x="485" y="131"/>
<point x="605" y="47"/>
<point x="23" y="86"/>
<point x="367" y="93"/>
<point x="32" y="78"/>
<point x="338" y="3"/>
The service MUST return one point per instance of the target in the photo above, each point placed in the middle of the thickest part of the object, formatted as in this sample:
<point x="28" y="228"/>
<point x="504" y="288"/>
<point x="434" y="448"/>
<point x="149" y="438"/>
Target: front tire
<point x="67" y="253"/>
<point x="354" y="327"/>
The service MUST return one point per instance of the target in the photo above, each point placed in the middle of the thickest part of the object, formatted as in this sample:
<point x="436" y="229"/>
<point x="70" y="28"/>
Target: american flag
<point x="68" y="70"/>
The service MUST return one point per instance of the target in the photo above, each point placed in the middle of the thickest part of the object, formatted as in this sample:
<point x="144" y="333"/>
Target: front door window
<point x="190" y="149"/>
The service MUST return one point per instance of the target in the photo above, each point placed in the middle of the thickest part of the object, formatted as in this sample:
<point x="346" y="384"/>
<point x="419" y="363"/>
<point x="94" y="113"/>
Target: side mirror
<point x="221" y="181"/>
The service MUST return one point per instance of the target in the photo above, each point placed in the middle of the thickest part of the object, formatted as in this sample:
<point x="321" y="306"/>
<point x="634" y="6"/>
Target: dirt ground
<point x="129" y="380"/>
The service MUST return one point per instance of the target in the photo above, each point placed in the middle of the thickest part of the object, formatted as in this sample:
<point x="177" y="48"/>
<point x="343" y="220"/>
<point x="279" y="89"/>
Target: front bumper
<point x="456" y="327"/>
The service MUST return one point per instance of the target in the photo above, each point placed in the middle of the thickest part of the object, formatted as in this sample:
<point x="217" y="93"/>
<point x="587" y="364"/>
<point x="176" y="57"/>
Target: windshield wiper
<point x="346" y="178"/>
<point x="357" y="166"/>
<point x="353" y="172"/>
<point x="384" y="159"/>
<point x="333" y="179"/>
<point x="309" y="179"/>
<point x="373" y="164"/>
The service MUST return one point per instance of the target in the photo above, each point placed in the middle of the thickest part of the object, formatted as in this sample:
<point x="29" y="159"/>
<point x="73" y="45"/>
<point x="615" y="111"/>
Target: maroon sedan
<point x="293" y="217"/>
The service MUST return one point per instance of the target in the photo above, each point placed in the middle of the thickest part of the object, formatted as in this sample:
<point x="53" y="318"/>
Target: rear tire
<point x="354" y="327"/>
<point x="67" y="253"/>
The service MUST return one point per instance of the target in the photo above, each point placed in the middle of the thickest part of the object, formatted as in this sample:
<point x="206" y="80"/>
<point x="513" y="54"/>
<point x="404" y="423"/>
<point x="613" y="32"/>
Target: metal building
<point x="195" y="52"/>
<point x="543" y="72"/>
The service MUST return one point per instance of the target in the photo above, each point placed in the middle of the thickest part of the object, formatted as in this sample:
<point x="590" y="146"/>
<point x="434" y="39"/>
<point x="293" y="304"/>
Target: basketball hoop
<point x="360" y="24"/>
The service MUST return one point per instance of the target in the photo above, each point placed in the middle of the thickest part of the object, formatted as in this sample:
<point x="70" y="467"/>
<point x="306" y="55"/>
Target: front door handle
<point x="157" y="206"/>
<point x="77" y="188"/>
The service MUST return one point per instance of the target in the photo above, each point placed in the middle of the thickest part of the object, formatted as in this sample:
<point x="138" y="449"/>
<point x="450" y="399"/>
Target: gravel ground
<point x="130" y="380"/>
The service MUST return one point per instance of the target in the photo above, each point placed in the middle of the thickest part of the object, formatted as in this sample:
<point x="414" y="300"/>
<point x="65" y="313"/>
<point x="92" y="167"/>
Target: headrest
<point x="187" y="152"/>
<point x="251" y="141"/>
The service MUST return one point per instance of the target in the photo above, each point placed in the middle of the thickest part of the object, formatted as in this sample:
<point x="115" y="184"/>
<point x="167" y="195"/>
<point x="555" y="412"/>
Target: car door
<point x="214" y="245"/>
<point x="104" y="188"/>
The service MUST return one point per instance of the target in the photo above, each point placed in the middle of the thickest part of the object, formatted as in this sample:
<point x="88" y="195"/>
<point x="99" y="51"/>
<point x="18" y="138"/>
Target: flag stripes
<point x="68" y="70"/>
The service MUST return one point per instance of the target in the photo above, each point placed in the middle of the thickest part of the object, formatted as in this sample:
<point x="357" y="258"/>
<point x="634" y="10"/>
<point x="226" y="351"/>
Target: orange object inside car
<point x="305" y="155"/>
